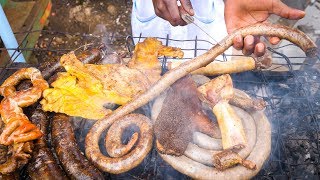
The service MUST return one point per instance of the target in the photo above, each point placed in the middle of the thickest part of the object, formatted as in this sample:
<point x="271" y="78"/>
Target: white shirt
<point x="209" y="15"/>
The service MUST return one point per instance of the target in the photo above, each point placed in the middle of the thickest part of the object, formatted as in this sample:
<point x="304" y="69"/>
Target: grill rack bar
<point x="293" y="101"/>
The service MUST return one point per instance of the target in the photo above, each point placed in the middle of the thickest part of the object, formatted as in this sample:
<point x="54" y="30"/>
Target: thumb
<point x="187" y="6"/>
<point x="282" y="10"/>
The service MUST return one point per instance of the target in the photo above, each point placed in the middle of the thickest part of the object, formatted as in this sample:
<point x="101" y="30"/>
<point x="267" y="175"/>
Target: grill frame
<point x="292" y="96"/>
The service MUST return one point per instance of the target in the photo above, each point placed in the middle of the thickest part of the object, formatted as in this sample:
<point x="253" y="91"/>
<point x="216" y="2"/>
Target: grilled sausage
<point x="88" y="56"/>
<point x="124" y="157"/>
<point x="43" y="165"/>
<point x="295" y="36"/>
<point x="73" y="161"/>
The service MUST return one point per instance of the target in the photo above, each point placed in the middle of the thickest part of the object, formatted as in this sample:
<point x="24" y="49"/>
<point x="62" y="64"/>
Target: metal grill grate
<point x="292" y="96"/>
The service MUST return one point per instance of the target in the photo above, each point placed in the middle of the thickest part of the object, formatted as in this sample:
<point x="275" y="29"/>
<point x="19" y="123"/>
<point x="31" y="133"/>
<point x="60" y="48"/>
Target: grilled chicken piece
<point x="85" y="88"/>
<point x="145" y="57"/>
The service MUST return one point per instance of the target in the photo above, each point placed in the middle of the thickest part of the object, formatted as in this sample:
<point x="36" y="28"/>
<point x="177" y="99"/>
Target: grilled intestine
<point x="18" y="132"/>
<point x="92" y="138"/>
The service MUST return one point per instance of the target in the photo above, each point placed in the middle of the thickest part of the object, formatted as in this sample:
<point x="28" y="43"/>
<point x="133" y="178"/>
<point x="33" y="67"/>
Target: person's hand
<point x="170" y="11"/>
<point x="240" y="13"/>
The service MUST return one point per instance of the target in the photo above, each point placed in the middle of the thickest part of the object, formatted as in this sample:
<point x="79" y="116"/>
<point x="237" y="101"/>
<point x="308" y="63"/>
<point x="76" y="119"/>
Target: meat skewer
<point x="73" y="161"/>
<point x="92" y="138"/>
<point x="43" y="165"/>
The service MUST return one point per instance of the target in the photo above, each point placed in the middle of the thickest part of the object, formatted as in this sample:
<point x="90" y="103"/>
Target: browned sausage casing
<point x="87" y="56"/>
<point x="73" y="161"/>
<point x="43" y="165"/>
<point x="295" y="36"/>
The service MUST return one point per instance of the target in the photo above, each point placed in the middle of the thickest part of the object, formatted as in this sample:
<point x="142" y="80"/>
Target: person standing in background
<point x="217" y="17"/>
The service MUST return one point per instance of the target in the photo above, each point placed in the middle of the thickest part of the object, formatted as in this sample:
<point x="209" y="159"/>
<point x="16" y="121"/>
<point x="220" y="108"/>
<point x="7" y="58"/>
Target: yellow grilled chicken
<point x="85" y="88"/>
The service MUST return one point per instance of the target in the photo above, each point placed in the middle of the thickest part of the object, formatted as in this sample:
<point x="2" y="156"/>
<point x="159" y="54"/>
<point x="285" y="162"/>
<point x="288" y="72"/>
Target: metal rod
<point x="9" y="39"/>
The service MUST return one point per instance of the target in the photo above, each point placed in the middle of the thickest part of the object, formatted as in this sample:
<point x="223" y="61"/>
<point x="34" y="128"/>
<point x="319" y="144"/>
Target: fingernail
<point x="249" y="40"/>
<point x="239" y="39"/>
<point x="191" y="11"/>
<point x="274" y="40"/>
<point x="261" y="49"/>
<point x="302" y="12"/>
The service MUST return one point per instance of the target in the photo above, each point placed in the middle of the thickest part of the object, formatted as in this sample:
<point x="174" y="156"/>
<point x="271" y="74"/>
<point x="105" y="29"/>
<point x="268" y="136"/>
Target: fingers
<point x="274" y="40"/>
<point x="173" y="9"/>
<point x="161" y="10"/>
<point x="182" y="11"/>
<point x="170" y="11"/>
<point x="187" y="6"/>
<point x="279" y="8"/>
<point x="260" y="49"/>
<point x="238" y="42"/>
<point x="249" y="45"/>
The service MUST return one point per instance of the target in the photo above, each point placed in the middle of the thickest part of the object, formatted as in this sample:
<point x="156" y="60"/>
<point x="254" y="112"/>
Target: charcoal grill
<point x="292" y="96"/>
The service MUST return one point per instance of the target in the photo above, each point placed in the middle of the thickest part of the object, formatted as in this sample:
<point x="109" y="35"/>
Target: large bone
<point x="217" y="93"/>
<point x="92" y="139"/>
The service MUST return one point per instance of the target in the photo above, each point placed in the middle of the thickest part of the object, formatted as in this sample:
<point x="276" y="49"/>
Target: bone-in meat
<point x="180" y="116"/>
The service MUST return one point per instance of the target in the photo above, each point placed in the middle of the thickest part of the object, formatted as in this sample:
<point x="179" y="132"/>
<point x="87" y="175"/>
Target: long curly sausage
<point x="124" y="157"/>
<point x="295" y="36"/>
